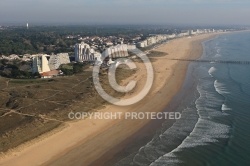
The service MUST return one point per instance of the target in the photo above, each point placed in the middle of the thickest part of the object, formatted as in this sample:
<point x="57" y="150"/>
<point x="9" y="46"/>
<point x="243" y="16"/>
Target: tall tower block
<point x="27" y="25"/>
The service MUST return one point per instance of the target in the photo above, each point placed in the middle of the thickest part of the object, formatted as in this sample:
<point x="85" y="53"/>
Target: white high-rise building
<point x="44" y="63"/>
<point x="152" y="40"/>
<point x="84" y="53"/>
<point x="117" y="51"/>
<point x="55" y="61"/>
<point x="40" y="63"/>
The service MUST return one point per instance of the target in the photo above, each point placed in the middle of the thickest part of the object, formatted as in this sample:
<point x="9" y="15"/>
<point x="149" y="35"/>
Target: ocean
<point x="215" y="126"/>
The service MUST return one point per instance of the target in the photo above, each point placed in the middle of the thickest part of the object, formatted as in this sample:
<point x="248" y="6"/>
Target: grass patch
<point x="32" y="100"/>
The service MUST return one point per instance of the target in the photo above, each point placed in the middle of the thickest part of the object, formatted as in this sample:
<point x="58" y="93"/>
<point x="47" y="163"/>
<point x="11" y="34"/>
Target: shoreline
<point x="66" y="145"/>
<point x="146" y="133"/>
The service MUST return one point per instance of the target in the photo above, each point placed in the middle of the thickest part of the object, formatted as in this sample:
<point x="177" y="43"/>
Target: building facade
<point x="152" y="40"/>
<point x="117" y="51"/>
<point x="84" y="53"/>
<point x="40" y="63"/>
<point x="55" y="61"/>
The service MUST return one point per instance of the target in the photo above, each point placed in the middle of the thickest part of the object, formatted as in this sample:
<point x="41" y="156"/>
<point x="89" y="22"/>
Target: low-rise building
<point x="171" y="36"/>
<point x="141" y="44"/>
<point x="50" y="74"/>
<point x="183" y="33"/>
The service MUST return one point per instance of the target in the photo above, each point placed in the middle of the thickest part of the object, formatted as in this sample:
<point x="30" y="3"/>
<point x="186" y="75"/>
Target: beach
<point x="85" y="141"/>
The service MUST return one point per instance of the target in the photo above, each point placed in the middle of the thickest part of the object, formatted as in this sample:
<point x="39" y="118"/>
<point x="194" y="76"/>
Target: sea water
<point x="215" y="124"/>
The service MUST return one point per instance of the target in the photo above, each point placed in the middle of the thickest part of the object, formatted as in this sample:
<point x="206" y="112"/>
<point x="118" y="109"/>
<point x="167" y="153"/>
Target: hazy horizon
<point x="163" y="12"/>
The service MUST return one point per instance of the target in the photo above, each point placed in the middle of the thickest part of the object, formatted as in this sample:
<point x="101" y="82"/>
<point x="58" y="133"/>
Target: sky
<point x="164" y="12"/>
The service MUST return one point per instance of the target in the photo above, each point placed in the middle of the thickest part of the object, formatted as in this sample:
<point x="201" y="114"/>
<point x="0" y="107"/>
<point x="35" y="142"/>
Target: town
<point x="88" y="49"/>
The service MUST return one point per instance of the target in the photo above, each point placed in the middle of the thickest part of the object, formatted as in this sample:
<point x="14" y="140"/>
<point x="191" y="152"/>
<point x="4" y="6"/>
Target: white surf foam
<point x="220" y="88"/>
<point x="225" y="108"/>
<point x="206" y="131"/>
<point x="211" y="71"/>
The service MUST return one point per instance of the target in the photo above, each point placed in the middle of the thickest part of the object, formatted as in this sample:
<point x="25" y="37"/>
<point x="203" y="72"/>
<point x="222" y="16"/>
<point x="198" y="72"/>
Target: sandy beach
<point x="82" y="142"/>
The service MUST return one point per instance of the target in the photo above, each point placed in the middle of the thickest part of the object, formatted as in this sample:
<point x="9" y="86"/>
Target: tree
<point x="78" y="68"/>
<point x="15" y="73"/>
